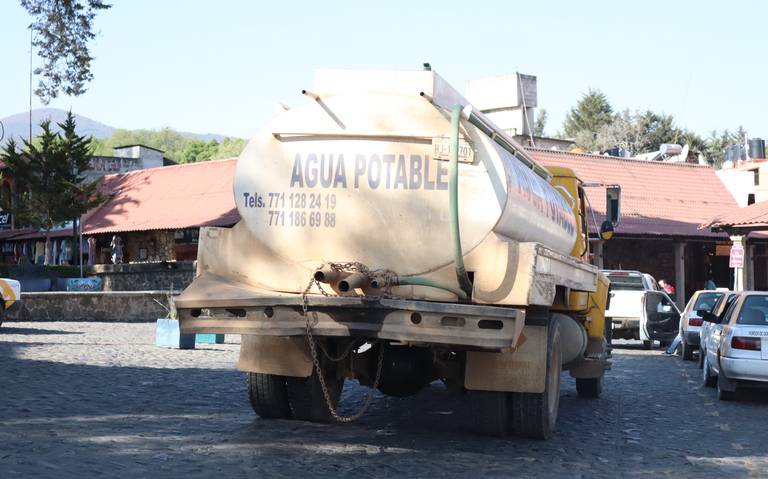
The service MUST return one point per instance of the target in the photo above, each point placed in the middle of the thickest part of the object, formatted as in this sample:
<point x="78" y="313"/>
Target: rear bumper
<point x="625" y="323"/>
<point x="423" y="322"/>
<point x="745" y="369"/>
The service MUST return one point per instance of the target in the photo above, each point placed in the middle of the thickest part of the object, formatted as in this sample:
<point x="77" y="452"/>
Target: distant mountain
<point x="17" y="125"/>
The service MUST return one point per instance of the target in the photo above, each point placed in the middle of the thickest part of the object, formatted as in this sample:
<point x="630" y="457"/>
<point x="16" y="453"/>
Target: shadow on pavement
<point x="196" y="422"/>
<point x="11" y="330"/>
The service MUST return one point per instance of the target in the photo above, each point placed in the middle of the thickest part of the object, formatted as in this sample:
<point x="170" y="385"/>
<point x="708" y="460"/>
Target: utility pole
<point x="31" y="33"/>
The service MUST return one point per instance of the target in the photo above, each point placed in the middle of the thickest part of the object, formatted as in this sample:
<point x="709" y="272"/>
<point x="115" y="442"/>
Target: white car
<point x="691" y="322"/>
<point x="10" y="290"/>
<point x="626" y="303"/>
<point x="736" y="352"/>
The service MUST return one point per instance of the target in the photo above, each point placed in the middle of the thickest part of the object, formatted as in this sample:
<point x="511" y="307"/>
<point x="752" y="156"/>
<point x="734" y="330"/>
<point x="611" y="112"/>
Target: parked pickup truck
<point x="625" y="310"/>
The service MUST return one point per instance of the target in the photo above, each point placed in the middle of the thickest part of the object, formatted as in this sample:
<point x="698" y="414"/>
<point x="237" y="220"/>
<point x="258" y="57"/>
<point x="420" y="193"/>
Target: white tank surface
<point x="352" y="175"/>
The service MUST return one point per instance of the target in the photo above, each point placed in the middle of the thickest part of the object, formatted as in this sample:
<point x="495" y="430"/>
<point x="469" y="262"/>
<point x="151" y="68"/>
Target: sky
<point x="220" y="66"/>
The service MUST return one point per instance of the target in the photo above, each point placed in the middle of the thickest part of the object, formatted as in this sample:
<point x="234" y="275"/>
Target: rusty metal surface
<point x="415" y="322"/>
<point x="275" y="355"/>
<point x="523" y="370"/>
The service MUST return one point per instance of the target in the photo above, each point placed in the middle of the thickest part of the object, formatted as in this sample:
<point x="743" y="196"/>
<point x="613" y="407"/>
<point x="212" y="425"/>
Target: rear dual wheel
<point x="532" y="415"/>
<point x="268" y="395"/>
<point x="284" y="397"/>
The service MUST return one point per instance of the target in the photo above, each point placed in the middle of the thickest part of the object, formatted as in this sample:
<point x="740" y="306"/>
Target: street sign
<point x="737" y="256"/>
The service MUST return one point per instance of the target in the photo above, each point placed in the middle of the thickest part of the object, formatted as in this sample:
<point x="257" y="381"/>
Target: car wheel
<point x="708" y="380"/>
<point x="726" y="388"/>
<point x="687" y="350"/>
<point x="724" y="394"/>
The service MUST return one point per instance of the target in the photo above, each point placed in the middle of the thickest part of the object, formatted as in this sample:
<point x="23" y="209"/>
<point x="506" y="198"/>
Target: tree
<point x="590" y="114"/>
<point x="50" y="186"/>
<point x="639" y="132"/>
<point x="540" y="123"/>
<point x="176" y="146"/>
<point x="61" y="32"/>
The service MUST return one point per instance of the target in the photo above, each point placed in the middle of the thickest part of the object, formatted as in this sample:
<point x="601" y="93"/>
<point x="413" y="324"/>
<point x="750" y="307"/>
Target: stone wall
<point x="122" y="306"/>
<point x="145" y="276"/>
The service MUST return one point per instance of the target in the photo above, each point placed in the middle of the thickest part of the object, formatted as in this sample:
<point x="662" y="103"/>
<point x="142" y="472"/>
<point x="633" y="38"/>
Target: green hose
<point x="453" y="198"/>
<point x="420" y="281"/>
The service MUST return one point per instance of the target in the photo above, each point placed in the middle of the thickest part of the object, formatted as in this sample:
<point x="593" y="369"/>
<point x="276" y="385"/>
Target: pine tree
<point x="51" y="188"/>
<point x="586" y="118"/>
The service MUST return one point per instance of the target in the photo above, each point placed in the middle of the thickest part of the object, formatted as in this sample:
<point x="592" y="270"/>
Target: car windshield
<point x="754" y="311"/>
<point x="707" y="301"/>
<point x="621" y="282"/>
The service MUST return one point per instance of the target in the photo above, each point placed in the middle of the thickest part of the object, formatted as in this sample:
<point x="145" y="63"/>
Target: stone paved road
<point x="99" y="400"/>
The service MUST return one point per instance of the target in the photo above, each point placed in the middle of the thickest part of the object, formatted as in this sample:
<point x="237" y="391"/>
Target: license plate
<point x="764" y="348"/>
<point x="441" y="150"/>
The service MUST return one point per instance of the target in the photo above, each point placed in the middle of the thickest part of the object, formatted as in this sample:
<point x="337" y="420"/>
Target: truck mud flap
<point x="522" y="370"/>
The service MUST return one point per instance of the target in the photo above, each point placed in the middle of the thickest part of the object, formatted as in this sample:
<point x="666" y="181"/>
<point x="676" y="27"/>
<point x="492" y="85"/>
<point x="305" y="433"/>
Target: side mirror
<point x="613" y="204"/>
<point x="707" y="316"/>
<point x="606" y="230"/>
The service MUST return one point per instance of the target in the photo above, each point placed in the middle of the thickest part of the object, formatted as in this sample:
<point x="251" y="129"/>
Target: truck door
<point x="660" y="320"/>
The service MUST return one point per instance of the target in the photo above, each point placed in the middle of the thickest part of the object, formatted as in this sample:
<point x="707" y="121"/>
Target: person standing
<point x="667" y="287"/>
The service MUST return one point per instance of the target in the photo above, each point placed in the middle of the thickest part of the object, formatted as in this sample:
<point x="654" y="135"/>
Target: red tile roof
<point x="658" y="199"/>
<point x="171" y="197"/>
<point x="752" y="216"/>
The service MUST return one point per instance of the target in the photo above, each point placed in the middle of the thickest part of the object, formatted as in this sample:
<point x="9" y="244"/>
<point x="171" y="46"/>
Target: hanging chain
<point x="313" y="347"/>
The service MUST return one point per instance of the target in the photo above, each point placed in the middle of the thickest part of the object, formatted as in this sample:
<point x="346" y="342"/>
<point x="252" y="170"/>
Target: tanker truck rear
<point x="393" y="235"/>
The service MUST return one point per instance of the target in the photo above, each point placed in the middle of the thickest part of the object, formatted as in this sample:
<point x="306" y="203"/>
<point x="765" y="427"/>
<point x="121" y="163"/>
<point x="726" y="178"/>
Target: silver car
<point x="736" y="349"/>
<point x="691" y="322"/>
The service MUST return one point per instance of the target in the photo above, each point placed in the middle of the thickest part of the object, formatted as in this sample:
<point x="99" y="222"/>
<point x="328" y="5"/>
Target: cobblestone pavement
<point x="98" y="399"/>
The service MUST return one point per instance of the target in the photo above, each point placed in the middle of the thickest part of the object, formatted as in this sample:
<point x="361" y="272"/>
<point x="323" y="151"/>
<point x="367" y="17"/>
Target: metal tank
<point x="359" y="173"/>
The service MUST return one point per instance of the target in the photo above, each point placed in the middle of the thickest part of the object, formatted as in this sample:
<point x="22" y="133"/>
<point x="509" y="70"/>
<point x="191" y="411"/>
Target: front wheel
<point x="589" y="387"/>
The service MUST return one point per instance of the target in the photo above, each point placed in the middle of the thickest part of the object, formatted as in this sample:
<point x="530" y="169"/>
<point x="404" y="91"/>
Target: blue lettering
<point x="428" y="185"/>
<point x="374" y="172"/>
<point x="400" y="177"/>
<point x="359" y="168"/>
<point x="325" y="180"/>
<point x="310" y="173"/>
<point x="340" y="178"/>
<point x="296" y="177"/>
<point x="415" y="182"/>
<point x="389" y="160"/>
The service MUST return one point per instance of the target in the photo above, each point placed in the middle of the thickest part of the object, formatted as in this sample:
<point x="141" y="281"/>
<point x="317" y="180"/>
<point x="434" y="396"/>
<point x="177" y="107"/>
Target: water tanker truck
<point x="392" y="234"/>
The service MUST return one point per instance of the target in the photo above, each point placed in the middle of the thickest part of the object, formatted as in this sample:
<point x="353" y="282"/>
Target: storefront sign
<point x="5" y="219"/>
<point x="737" y="256"/>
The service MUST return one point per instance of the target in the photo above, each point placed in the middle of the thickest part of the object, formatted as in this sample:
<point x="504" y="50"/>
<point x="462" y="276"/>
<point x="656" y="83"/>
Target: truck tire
<point x="490" y="412"/>
<point x="535" y="415"/>
<point x="590" y="388"/>
<point x="305" y="396"/>
<point x="687" y="351"/>
<point x="268" y="395"/>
